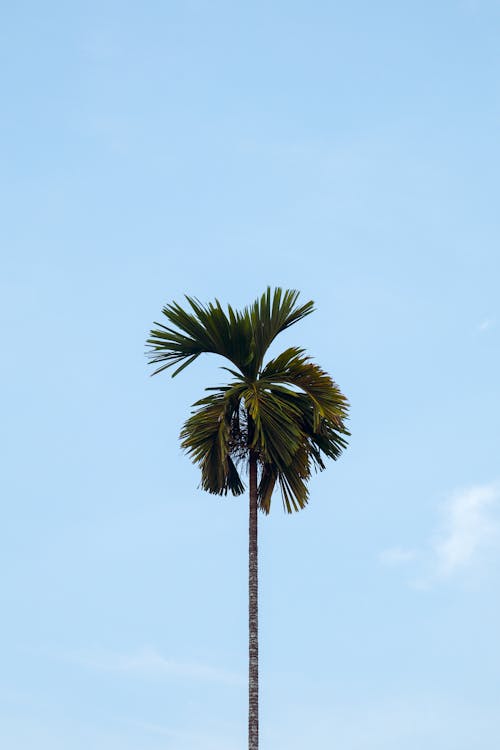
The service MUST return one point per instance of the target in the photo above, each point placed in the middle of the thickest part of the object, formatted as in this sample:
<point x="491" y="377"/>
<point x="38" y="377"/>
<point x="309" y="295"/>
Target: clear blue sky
<point x="349" y="150"/>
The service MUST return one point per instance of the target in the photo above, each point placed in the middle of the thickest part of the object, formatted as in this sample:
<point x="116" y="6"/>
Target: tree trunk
<point x="253" y="628"/>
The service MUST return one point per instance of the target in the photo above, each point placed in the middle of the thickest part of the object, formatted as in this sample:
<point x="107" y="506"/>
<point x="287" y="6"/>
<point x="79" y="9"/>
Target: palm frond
<point x="310" y="398"/>
<point x="272" y="314"/>
<point x="268" y="479"/>
<point x="212" y="438"/>
<point x="294" y="368"/>
<point x="204" y="329"/>
<point x="292" y="480"/>
<point x="241" y="337"/>
<point x="276" y="435"/>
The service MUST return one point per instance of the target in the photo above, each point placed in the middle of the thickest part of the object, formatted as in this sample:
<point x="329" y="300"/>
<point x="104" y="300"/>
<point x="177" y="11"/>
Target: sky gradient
<point x="348" y="150"/>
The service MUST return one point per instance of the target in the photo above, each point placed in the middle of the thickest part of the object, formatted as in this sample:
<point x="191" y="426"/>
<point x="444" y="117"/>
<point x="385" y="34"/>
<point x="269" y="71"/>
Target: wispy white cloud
<point x="469" y="528"/>
<point x="148" y="662"/>
<point x="468" y="531"/>
<point x="485" y="324"/>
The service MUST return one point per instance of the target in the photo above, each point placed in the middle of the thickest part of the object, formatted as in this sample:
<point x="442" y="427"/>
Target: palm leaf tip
<point x="272" y="313"/>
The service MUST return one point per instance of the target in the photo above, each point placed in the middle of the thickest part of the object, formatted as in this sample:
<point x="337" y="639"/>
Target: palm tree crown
<point x="286" y="414"/>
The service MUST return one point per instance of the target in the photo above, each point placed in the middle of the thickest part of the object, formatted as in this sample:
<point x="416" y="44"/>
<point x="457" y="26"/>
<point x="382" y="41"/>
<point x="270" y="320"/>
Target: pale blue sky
<point x="349" y="150"/>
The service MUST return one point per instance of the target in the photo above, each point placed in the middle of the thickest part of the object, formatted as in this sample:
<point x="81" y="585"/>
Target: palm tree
<point x="277" y="420"/>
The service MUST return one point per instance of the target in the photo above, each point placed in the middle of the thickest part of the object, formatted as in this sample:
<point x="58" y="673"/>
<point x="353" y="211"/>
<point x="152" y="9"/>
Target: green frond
<point x="309" y="398"/>
<point x="272" y="314"/>
<point x="276" y="434"/>
<point x="329" y="437"/>
<point x="204" y="329"/>
<point x="268" y="479"/>
<point x="210" y="436"/>
<point x="292" y="480"/>
<point x="294" y="368"/>
<point x="241" y="337"/>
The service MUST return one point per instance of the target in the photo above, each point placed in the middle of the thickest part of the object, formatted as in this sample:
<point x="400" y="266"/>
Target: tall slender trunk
<point x="253" y="627"/>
